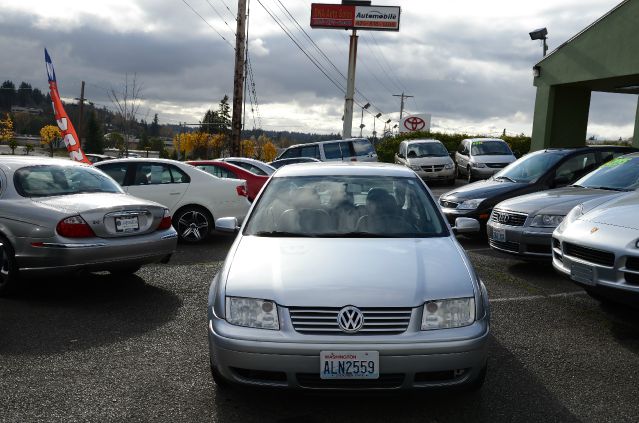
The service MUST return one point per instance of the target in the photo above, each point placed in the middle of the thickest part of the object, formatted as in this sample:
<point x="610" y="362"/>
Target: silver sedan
<point x="347" y="276"/>
<point x="59" y="216"/>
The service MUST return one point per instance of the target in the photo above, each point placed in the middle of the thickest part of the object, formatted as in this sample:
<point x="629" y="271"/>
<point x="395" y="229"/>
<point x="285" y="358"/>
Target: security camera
<point x="539" y="34"/>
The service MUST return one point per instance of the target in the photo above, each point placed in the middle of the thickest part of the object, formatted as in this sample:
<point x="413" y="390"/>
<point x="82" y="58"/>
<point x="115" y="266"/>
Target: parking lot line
<point x="537" y="297"/>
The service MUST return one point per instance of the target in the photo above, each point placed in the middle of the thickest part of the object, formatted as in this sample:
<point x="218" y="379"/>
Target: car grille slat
<point x="632" y="263"/>
<point x="496" y="165"/>
<point x="505" y="245"/>
<point x="592" y="255"/>
<point x="377" y="321"/>
<point x="508" y="218"/>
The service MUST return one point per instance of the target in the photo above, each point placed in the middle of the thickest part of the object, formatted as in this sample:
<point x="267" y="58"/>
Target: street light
<point x="540" y="34"/>
<point x="375" y="121"/>
<point x="361" y="122"/>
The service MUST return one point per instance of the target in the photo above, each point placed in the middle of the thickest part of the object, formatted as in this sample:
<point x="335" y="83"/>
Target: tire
<point x="125" y="271"/>
<point x="8" y="268"/>
<point x="193" y="224"/>
<point x="469" y="177"/>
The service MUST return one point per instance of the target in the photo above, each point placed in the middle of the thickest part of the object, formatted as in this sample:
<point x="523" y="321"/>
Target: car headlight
<point x="252" y="313"/>
<point x="446" y="314"/>
<point x="415" y="167"/>
<point x="574" y="214"/>
<point x="473" y="164"/>
<point x="547" y="221"/>
<point x="470" y="204"/>
<point x="449" y="166"/>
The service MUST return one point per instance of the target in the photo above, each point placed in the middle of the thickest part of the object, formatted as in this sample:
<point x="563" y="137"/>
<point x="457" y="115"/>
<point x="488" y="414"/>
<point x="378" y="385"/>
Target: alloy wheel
<point x="193" y="226"/>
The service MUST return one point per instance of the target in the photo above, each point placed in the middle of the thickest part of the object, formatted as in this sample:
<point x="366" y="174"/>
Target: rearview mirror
<point x="227" y="224"/>
<point x="466" y="225"/>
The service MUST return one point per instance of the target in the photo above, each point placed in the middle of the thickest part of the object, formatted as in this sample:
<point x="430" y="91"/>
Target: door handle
<point x="174" y="193"/>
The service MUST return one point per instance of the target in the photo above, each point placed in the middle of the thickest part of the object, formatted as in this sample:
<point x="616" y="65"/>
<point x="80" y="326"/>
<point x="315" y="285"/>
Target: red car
<point x="220" y="169"/>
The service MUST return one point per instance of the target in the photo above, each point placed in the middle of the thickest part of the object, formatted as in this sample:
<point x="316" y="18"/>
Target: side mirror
<point x="466" y="225"/>
<point x="227" y="224"/>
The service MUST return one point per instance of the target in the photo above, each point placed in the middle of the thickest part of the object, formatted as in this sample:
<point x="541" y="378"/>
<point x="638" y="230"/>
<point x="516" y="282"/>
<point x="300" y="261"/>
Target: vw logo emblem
<point x="350" y="319"/>
<point x="414" y="123"/>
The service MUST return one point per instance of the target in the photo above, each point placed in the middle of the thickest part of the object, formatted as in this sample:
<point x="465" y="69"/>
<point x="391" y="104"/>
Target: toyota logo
<point x="350" y="319"/>
<point x="414" y="123"/>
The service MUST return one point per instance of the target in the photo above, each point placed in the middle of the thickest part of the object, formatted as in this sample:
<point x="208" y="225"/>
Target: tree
<point x="269" y="152"/>
<point x="154" y="129"/>
<point x="28" y="148"/>
<point x="6" y="129"/>
<point x="144" y="141"/>
<point x="50" y="136"/>
<point x="224" y="116"/>
<point x="24" y="95"/>
<point x="7" y="95"/>
<point x="95" y="140"/>
<point x="13" y="144"/>
<point x="216" y="144"/>
<point x="248" y="148"/>
<point x="127" y="102"/>
<point x="179" y="144"/>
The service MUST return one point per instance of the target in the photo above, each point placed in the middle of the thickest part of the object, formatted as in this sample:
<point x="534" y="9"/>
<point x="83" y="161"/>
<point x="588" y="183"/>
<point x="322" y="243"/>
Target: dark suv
<point x="538" y="171"/>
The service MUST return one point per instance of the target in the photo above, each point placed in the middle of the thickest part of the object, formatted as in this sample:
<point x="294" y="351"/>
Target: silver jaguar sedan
<point x="58" y="215"/>
<point x="347" y="276"/>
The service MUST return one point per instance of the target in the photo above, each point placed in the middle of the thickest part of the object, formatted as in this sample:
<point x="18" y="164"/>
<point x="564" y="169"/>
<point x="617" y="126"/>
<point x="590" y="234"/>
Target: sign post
<point x="353" y="15"/>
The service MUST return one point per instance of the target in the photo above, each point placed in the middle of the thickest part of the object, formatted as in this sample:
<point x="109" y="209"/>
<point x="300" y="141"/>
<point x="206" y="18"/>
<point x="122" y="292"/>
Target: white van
<point x="481" y="158"/>
<point x="352" y="149"/>
<point x="428" y="158"/>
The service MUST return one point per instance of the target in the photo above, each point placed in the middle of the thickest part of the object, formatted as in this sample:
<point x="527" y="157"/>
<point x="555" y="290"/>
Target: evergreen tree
<point x="144" y="141"/>
<point x="94" y="142"/>
<point x="154" y="129"/>
<point x="24" y="95"/>
<point x="7" y="95"/>
<point x="224" y="116"/>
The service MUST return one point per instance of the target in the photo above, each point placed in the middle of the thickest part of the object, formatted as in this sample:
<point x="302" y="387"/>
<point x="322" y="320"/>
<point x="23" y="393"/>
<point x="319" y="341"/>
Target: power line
<point x="387" y="63"/>
<point x="211" y="26"/>
<point x="229" y="9"/>
<point x="221" y="17"/>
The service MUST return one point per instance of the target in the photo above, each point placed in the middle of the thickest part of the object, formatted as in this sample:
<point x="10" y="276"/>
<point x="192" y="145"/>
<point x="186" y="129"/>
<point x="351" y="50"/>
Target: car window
<point x="529" y="168"/>
<point x="310" y="151"/>
<point x="576" y="167"/>
<point x="363" y="148"/>
<point x="218" y="171"/>
<point x="620" y="174"/>
<point x="179" y="176"/>
<point x="152" y="174"/>
<point x="53" y="180"/>
<point x="332" y="151"/>
<point x="116" y="170"/>
<point x="291" y="152"/>
<point x="490" y="148"/>
<point x="256" y="170"/>
<point x="346" y="206"/>
<point x="346" y="147"/>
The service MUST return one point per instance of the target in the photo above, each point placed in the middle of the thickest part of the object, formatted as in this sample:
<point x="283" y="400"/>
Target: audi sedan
<point x="347" y="276"/>
<point x="62" y="216"/>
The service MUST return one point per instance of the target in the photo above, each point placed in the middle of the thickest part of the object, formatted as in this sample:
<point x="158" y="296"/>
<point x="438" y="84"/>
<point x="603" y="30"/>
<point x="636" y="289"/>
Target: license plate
<point x="349" y="364"/>
<point x="499" y="234"/>
<point x="127" y="224"/>
<point x="583" y="273"/>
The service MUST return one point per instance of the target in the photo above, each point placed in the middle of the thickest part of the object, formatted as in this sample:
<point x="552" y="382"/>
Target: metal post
<point x="361" y="124"/>
<point x="545" y="47"/>
<point x="350" y="87"/>
<point x="238" y="86"/>
<point x="80" y="114"/>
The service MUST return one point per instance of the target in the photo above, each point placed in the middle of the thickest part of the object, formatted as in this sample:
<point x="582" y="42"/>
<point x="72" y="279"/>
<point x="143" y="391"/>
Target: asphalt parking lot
<point x="97" y="348"/>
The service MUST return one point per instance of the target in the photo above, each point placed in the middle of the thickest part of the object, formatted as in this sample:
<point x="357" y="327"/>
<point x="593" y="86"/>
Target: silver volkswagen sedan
<point x="58" y="215"/>
<point x="347" y="276"/>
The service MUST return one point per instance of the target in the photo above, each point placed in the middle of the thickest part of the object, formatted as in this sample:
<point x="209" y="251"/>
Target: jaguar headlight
<point x="446" y="314"/>
<point x="252" y="313"/>
<point x="470" y="204"/>
<point x="547" y="221"/>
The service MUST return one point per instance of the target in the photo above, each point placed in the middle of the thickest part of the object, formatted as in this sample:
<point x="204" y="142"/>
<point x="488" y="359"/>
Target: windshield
<point x="529" y="168"/>
<point x="490" y="148"/>
<point x="620" y="174"/>
<point x="346" y="206"/>
<point x="50" y="180"/>
<point x="427" y="149"/>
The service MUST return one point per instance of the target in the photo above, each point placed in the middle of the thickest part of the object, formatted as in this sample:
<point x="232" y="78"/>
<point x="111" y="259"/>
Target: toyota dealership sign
<point x="344" y="16"/>
<point x="415" y="123"/>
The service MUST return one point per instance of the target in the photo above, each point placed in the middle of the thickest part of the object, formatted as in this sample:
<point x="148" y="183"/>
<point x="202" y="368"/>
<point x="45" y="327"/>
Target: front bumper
<point x="484" y="172"/>
<point x="523" y="241"/>
<point x="60" y="255"/>
<point x="292" y="360"/>
<point x="441" y="175"/>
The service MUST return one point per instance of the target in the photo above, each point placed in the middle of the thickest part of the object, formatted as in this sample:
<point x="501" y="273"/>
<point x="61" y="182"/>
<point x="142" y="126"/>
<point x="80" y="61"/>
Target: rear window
<point x="290" y="153"/>
<point x="52" y="180"/>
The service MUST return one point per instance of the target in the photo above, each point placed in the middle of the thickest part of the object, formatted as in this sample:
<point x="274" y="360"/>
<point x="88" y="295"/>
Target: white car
<point x="597" y="246"/>
<point x="428" y="158"/>
<point x="195" y="198"/>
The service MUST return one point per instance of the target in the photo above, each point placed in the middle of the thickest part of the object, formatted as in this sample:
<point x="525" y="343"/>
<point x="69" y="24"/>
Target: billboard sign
<point x="344" y="16"/>
<point x="415" y="123"/>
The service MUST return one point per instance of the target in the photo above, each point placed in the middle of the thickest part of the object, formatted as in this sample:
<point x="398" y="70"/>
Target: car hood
<point x="621" y="212"/>
<point x="493" y="159"/>
<point x="364" y="272"/>
<point x="555" y="201"/>
<point x="485" y="189"/>
<point x="429" y="161"/>
<point x="78" y="203"/>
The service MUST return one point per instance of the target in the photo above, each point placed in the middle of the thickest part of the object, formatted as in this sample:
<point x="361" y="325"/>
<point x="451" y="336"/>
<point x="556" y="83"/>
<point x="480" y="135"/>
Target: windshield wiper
<point x="609" y="189"/>
<point x="499" y="178"/>
<point x="281" y="234"/>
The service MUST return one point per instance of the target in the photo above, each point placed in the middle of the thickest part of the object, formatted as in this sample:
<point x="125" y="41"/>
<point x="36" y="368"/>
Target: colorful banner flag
<point x="64" y="123"/>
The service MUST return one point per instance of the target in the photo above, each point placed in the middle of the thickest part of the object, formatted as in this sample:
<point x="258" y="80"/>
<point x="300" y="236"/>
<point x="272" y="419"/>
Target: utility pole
<point x="350" y="87"/>
<point x="238" y="85"/>
<point x="401" y="109"/>
<point x="80" y="114"/>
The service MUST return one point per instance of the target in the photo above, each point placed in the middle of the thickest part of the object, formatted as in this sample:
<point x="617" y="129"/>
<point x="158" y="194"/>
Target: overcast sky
<point x="468" y="63"/>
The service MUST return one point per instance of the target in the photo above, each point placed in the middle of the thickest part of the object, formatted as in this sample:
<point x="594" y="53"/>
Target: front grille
<point x="508" y="218"/>
<point x="538" y="249"/>
<point x="433" y="168"/>
<point x="448" y="204"/>
<point x="507" y="245"/>
<point x="385" y="381"/>
<point x="323" y="321"/>
<point x="603" y="258"/>
<point x="496" y="165"/>
<point x="631" y="278"/>
<point x="632" y="263"/>
<point x="556" y="243"/>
